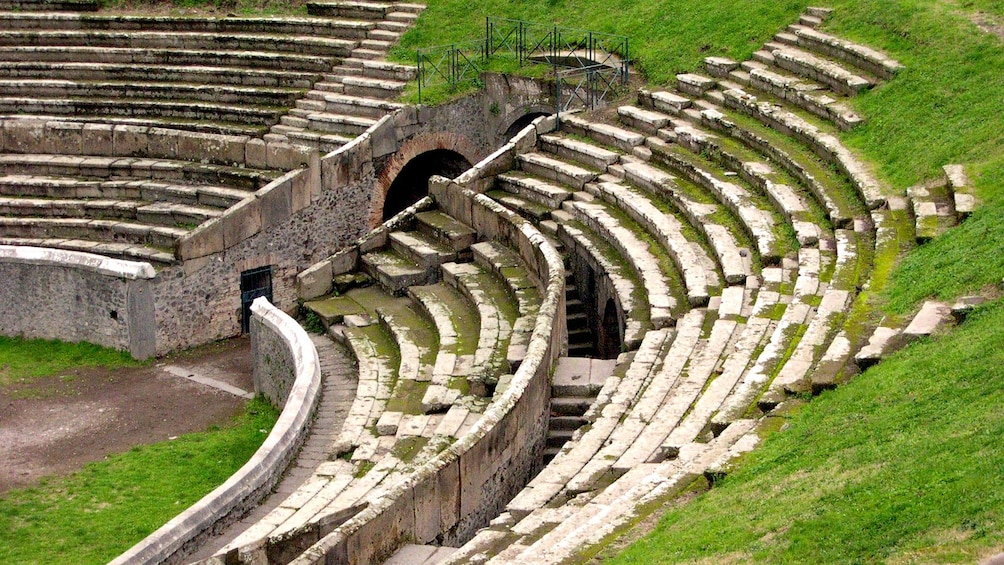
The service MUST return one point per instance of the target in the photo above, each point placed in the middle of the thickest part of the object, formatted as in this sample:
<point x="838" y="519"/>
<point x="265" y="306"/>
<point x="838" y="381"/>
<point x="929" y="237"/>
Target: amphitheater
<point x="563" y="319"/>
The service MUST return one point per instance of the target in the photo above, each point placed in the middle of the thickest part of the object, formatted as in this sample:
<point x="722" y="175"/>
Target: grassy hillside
<point x="902" y="464"/>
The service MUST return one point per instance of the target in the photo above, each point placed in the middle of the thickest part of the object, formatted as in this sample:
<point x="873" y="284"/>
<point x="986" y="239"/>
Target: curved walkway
<point x="338" y="379"/>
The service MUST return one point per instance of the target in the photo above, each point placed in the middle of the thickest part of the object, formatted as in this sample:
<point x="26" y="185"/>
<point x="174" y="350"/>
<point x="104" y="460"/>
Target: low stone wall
<point x="287" y="371"/>
<point x="450" y="497"/>
<point x="77" y="297"/>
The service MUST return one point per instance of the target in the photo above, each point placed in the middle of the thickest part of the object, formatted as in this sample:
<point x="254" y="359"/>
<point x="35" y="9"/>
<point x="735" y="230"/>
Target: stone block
<point x="485" y="220"/>
<point x="241" y="221"/>
<point x="2" y="137"/>
<point x="255" y="154"/>
<point x="285" y="157"/>
<point x="64" y="138"/>
<point x="23" y="136"/>
<point x="163" y="143"/>
<point x="314" y="281"/>
<point x="202" y="241"/>
<point x="345" y="261"/>
<point x="98" y="139"/>
<point x="384" y="137"/>
<point x="130" y="141"/>
<point x="314" y="172"/>
<point x="276" y="202"/>
<point x="212" y="148"/>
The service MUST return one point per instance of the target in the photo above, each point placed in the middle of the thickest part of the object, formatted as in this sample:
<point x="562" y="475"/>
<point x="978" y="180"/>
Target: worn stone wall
<point x="76" y="297"/>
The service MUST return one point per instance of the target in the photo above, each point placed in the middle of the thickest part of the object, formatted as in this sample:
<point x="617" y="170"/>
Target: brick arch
<point x="514" y="118"/>
<point x="411" y="149"/>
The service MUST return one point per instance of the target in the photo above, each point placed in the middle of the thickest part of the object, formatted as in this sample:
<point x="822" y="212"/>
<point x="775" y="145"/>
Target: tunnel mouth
<point x="412" y="183"/>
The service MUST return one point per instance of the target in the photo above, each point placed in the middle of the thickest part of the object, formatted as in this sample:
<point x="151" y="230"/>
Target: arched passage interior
<point x="521" y="123"/>
<point x="412" y="183"/>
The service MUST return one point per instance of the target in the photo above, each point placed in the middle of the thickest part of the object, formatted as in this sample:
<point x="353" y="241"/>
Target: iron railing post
<point x="418" y="63"/>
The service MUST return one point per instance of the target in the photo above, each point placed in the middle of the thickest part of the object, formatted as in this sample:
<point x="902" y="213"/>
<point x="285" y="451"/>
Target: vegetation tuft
<point x="24" y="359"/>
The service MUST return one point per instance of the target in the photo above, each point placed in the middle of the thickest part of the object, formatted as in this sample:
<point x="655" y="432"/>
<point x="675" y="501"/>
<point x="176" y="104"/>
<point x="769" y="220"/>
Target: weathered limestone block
<point x="130" y="140"/>
<point x="241" y="221"/>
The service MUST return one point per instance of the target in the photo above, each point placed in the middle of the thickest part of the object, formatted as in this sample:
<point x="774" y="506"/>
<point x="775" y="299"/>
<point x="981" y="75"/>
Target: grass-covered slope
<point x="101" y="511"/>
<point x="24" y="359"/>
<point x="903" y="465"/>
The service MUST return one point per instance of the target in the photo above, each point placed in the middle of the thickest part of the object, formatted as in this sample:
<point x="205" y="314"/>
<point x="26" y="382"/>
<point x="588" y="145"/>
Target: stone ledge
<point x="257" y="477"/>
<point x="129" y="270"/>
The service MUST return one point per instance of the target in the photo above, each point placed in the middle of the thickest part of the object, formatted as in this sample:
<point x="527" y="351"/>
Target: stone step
<point x="824" y="144"/>
<point x="125" y="57"/>
<point x="622" y="139"/>
<point x="374" y="108"/>
<point x="401" y="16"/>
<point x="225" y="94"/>
<point x="569" y="149"/>
<point x="866" y="58"/>
<point x="412" y="554"/>
<point x="50" y="5"/>
<point x="457" y="235"/>
<point x="394" y="272"/>
<point x="381" y="70"/>
<point x="549" y="168"/>
<point x="205" y="196"/>
<point x="296" y="28"/>
<point x="533" y="189"/>
<point x="801" y="92"/>
<point x="882" y="342"/>
<point x="570" y="405"/>
<point x="818" y="69"/>
<point x="162" y="237"/>
<point x="349" y="10"/>
<point x="963" y="192"/>
<point x="347" y="125"/>
<point x="607" y="263"/>
<point x="160" y="213"/>
<point x="497" y="317"/>
<point x="424" y="250"/>
<point x="320" y="46"/>
<point x="127" y="251"/>
<point x="367" y="54"/>
<point x="324" y="142"/>
<point x="121" y="107"/>
<point x="933" y="209"/>
<point x="525" y="207"/>
<point x="158" y="72"/>
<point x="96" y="168"/>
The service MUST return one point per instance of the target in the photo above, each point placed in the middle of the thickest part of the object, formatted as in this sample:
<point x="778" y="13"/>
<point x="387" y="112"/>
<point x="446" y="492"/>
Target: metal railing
<point x="584" y="88"/>
<point x="595" y="56"/>
<point x="454" y="65"/>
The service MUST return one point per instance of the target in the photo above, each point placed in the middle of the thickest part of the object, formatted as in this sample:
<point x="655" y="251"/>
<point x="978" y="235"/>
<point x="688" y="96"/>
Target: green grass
<point x="99" y="512"/>
<point x="24" y="359"/>
<point x="901" y="466"/>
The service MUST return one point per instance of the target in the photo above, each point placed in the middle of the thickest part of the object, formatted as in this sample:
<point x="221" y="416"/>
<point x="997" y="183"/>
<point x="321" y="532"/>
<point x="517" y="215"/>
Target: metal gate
<point x="254" y="283"/>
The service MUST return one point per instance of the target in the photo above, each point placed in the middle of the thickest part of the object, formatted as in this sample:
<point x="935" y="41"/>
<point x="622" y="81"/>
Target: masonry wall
<point x="76" y="297"/>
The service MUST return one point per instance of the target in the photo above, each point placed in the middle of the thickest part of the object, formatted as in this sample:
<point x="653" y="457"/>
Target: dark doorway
<point x="412" y="183"/>
<point x="254" y="283"/>
<point x="521" y="123"/>
<point x="608" y="339"/>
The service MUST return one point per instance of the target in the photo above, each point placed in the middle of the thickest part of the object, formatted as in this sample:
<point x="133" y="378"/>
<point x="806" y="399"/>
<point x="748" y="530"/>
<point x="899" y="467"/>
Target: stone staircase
<point x="361" y="89"/>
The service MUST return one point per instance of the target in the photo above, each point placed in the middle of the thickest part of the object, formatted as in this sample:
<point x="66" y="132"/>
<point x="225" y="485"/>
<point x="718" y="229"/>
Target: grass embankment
<point x="24" y="359"/>
<point x="99" y="512"/>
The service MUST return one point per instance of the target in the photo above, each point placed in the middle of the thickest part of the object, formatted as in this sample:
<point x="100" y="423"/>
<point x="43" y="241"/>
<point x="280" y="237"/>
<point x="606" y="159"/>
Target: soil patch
<point x="55" y="425"/>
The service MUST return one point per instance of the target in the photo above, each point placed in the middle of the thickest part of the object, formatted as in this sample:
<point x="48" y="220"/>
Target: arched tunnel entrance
<point x="521" y="123"/>
<point x="412" y="183"/>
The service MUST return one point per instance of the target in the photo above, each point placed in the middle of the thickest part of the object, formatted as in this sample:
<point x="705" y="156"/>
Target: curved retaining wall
<point x="77" y="297"/>
<point x="287" y="372"/>
<point x="450" y="497"/>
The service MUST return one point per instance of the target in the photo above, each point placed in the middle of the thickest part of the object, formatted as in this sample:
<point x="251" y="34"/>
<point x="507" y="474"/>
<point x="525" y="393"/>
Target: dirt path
<point x="54" y="425"/>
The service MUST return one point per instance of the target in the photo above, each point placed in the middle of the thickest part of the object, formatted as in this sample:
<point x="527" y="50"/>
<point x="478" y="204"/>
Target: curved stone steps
<point x="153" y="72"/>
<point x="497" y="315"/>
<point x="345" y="28"/>
<point x="194" y="125"/>
<point x="50" y="5"/>
<point x="631" y="376"/>
<point x="124" y="59"/>
<point x="206" y="197"/>
<point x="652" y="269"/>
<point x="127" y="251"/>
<point x="627" y="291"/>
<point x="861" y="56"/>
<point x="163" y="39"/>
<point x="145" y="108"/>
<point x="161" y="213"/>
<point x="162" y="238"/>
<point x="732" y="255"/>
<point x="123" y="89"/>
<point x="754" y="217"/>
<point x="96" y="167"/>
<point x="815" y="67"/>
<point x="700" y="272"/>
